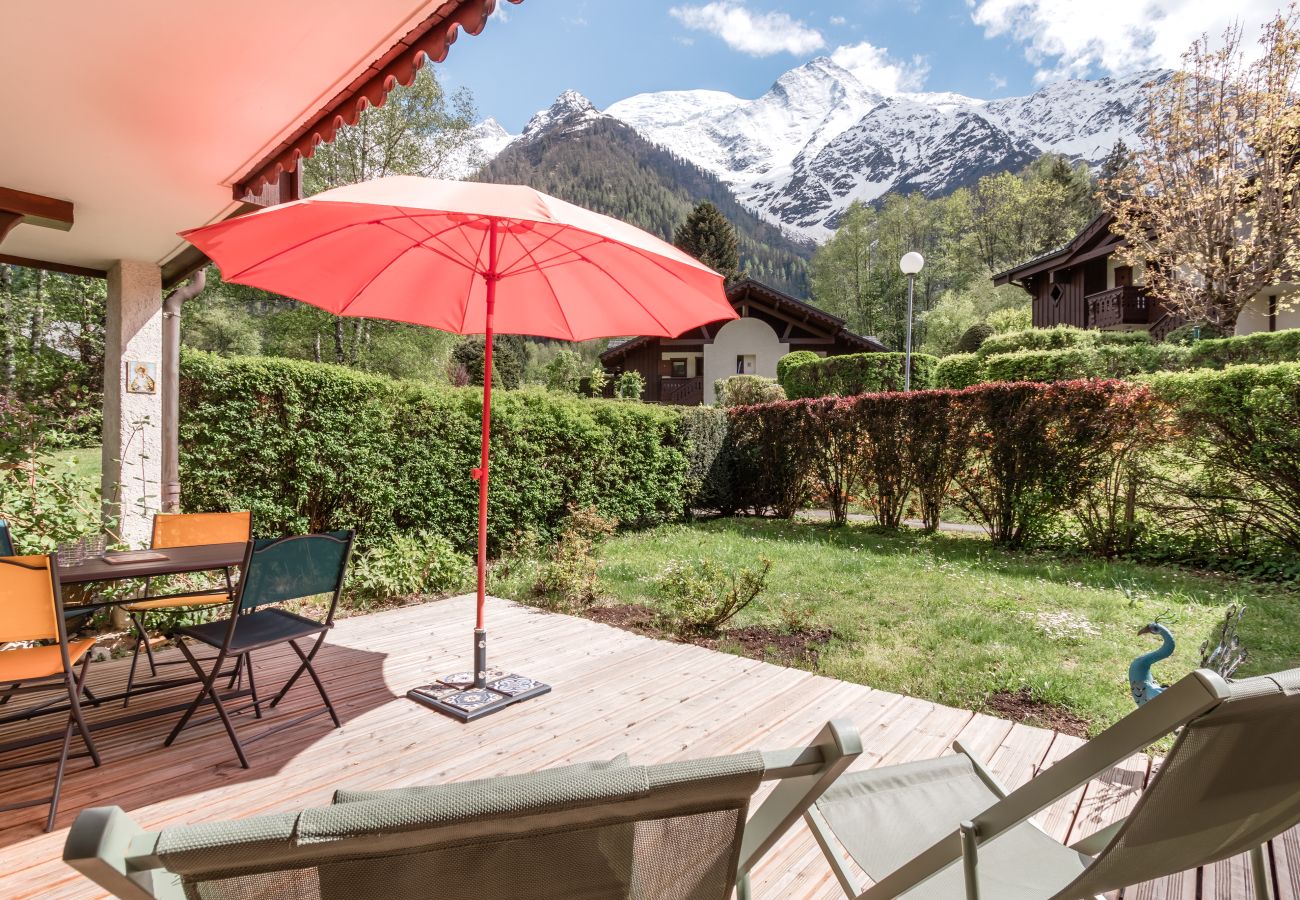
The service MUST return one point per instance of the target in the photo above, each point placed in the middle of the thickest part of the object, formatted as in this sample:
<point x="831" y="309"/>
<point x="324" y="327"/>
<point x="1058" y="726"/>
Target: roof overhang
<point x="1093" y="241"/>
<point x="152" y="116"/>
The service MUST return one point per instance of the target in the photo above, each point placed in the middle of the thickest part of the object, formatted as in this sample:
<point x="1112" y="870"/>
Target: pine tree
<point x="1116" y="169"/>
<point x="708" y="236"/>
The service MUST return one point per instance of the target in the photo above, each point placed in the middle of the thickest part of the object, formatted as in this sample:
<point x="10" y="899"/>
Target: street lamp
<point x="911" y="264"/>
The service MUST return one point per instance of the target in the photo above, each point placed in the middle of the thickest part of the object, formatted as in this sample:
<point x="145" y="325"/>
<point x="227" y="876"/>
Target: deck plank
<point x="614" y="692"/>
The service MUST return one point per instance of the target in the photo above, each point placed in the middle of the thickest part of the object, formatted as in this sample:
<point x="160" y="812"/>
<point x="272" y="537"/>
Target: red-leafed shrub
<point x="882" y="460"/>
<point x="939" y="439"/>
<point x="1037" y="448"/>
<point x="833" y="443"/>
<point x="772" y="469"/>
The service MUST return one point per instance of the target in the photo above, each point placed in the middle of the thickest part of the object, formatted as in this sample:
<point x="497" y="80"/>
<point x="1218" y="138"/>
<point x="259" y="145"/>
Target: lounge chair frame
<point x="106" y="846"/>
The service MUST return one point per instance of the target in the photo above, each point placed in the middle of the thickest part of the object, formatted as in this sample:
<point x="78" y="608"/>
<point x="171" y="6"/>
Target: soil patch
<point x="800" y="647"/>
<point x="1022" y="706"/>
<point x="635" y="617"/>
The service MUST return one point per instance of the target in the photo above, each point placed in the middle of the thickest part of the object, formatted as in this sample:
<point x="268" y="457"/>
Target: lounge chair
<point x="676" y="830"/>
<point x="945" y="828"/>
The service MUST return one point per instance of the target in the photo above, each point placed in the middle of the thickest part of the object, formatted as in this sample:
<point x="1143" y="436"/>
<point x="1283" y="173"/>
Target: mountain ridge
<point x="818" y="139"/>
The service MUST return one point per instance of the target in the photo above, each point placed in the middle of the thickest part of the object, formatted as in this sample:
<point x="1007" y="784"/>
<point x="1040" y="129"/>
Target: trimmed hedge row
<point x="310" y="447"/>
<point x="1011" y="454"/>
<point x="1062" y="354"/>
<point x="805" y="374"/>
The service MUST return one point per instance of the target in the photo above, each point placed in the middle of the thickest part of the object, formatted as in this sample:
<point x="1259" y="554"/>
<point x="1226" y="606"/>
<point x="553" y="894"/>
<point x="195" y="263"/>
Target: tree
<point x="1116" y="170"/>
<point x="508" y="355"/>
<point x="419" y="130"/>
<point x="564" y="372"/>
<point x="708" y="236"/>
<point x="1209" y="207"/>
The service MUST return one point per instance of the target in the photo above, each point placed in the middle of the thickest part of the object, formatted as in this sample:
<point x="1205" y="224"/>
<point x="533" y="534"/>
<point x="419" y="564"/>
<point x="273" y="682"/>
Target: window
<point x="1055" y="293"/>
<point x="678" y="368"/>
<point x="744" y="364"/>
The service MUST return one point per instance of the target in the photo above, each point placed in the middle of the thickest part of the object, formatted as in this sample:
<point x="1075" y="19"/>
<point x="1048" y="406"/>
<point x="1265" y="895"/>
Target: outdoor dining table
<point x="128" y="564"/>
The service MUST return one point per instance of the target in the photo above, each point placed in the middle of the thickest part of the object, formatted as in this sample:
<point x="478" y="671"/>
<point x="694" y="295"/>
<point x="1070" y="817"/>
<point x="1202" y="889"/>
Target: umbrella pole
<point x="485" y="444"/>
<point x="456" y="694"/>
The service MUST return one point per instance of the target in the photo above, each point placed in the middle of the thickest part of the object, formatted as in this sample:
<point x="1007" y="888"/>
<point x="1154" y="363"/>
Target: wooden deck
<point x="614" y="692"/>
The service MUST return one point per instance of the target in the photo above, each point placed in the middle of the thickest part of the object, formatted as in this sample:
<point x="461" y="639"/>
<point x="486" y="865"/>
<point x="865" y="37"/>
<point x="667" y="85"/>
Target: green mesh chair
<point x="676" y="831"/>
<point x="945" y="828"/>
<point x="6" y="539"/>
<point x="274" y="572"/>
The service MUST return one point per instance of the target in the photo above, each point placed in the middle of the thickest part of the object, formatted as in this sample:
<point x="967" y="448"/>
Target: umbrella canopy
<point x="469" y="258"/>
<point x="418" y="250"/>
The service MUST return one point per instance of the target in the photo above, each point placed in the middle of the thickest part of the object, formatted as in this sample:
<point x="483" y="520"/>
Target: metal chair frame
<point x="208" y="690"/>
<point x="74" y="684"/>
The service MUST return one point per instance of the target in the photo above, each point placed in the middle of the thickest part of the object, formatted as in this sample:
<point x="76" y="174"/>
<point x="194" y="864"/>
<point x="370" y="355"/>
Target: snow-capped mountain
<point x="819" y="138"/>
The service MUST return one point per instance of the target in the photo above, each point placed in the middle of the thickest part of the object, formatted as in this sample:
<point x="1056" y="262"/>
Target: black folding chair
<point x="274" y="572"/>
<point x="31" y="610"/>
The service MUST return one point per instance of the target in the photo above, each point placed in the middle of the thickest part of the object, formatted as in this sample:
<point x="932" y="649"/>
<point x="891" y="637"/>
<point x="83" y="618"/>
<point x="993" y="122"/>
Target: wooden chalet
<point x="683" y="370"/>
<point x="1085" y="285"/>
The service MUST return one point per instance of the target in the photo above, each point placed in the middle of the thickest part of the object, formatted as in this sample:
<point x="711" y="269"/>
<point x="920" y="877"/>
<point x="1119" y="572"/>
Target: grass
<point x="952" y="619"/>
<point x="82" y="462"/>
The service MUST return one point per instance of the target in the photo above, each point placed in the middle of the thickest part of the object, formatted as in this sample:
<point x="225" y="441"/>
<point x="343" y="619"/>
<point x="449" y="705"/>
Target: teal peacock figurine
<point x="1140" y="680"/>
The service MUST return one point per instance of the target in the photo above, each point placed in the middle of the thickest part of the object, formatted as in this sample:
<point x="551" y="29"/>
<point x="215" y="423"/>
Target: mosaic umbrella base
<point x="455" y="695"/>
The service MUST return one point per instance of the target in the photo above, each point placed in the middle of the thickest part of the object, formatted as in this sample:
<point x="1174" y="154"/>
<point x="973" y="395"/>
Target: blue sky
<point x="611" y="49"/>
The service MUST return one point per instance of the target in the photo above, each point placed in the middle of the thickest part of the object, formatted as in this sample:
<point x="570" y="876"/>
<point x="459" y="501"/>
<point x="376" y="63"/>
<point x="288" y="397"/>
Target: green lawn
<point x="949" y="618"/>
<point x="82" y="462"/>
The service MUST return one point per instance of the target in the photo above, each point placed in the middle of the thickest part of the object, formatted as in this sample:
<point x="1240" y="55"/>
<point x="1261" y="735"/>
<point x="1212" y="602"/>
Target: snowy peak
<point x="571" y="111"/>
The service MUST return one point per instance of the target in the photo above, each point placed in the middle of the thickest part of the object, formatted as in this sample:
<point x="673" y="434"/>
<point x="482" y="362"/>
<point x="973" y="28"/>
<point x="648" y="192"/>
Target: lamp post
<point x="910" y="264"/>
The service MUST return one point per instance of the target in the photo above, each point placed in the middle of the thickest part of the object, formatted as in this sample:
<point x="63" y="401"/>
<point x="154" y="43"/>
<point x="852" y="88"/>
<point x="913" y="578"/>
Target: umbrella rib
<point x="315" y="237"/>
<point x="625" y="290"/>
<point x="556" y="260"/>
<point x="511" y="270"/>
<point x="437" y="236"/>
<point x="343" y="310"/>
<point x="551" y="288"/>
<point x="464" y="316"/>
<point x="451" y="256"/>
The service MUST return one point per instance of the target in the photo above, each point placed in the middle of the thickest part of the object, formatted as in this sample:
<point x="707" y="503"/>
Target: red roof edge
<point x="430" y="40"/>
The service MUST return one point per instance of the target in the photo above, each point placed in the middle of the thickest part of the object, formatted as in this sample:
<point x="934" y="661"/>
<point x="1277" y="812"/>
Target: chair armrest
<point x="110" y="849"/>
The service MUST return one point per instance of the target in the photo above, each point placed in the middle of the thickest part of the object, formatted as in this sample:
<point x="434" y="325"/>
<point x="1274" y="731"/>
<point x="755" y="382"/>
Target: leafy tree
<point x="629" y="385"/>
<point x="1210" y="206"/>
<point x="956" y="311"/>
<point x="508" y="355"/>
<point x="708" y="236"/>
<point x="1116" y="170"/>
<point x="564" y="372"/>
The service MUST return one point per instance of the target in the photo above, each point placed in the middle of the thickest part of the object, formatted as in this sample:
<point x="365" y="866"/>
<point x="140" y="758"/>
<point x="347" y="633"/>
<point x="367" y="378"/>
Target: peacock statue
<point x="1140" y="680"/>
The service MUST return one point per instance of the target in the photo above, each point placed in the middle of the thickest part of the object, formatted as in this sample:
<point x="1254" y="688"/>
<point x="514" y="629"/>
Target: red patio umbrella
<point x="469" y="258"/>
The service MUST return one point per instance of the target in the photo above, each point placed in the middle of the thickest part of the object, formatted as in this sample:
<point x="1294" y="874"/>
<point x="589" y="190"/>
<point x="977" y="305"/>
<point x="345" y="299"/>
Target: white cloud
<point x="876" y="69"/>
<point x="500" y="13"/>
<point x="758" y="34"/>
<point x="998" y="82"/>
<point x="1065" y="38"/>
<point x="837" y="21"/>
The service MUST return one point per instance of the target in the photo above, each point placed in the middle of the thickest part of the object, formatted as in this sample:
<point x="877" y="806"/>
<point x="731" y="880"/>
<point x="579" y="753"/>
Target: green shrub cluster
<point x="960" y="370"/>
<point x="746" y="390"/>
<point x="856" y="373"/>
<point x="311" y="447"/>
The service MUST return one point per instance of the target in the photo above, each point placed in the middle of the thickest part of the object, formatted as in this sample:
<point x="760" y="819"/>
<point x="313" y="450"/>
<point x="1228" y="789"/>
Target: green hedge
<point x="958" y="371"/>
<point x="856" y="373"/>
<point x="311" y="447"/>
<point x="1062" y="337"/>
<point x="1262" y="348"/>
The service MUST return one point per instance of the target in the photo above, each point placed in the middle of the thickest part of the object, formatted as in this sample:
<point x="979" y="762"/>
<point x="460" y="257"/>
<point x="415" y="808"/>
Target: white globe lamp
<point x="911" y="264"/>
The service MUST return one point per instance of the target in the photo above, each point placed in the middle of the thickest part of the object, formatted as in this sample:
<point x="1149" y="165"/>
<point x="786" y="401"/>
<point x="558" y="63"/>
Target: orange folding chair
<point x="31" y="610"/>
<point x="183" y="530"/>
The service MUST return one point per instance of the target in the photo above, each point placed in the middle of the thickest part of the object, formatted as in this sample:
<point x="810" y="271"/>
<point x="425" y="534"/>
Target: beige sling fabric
<point x="671" y="831"/>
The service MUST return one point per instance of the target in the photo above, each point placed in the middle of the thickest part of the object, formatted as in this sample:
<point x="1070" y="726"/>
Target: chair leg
<point x="237" y="676"/>
<point x="207" y="690"/>
<point x="130" y="676"/>
<point x="306" y="663"/>
<point x="252" y="685"/>
<point x="148" y="648"/>
<point x="58" y="775"/>
<point x="75" y="690"/>
<point x="302" y="667"/>
<point x="13" y="689"/>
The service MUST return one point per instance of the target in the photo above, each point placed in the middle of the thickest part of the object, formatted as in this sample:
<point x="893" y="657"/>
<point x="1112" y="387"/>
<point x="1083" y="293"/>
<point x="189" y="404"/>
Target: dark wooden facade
<point x="799" y="324"/>
<point x="1081" y="285"/>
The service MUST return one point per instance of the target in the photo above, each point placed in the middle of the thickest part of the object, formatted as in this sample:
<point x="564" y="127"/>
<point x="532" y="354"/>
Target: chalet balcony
<point x="1119" y="306"/>
<point x="681" y="391"/>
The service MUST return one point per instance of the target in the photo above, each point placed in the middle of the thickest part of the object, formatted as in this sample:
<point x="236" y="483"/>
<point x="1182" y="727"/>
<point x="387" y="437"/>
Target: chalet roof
<point x="1094" y="240"/>
<point x="746" y="288"/>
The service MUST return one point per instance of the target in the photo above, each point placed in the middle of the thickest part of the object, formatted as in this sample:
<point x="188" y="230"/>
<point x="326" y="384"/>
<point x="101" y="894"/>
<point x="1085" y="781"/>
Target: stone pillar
<point x="132" y="455"/>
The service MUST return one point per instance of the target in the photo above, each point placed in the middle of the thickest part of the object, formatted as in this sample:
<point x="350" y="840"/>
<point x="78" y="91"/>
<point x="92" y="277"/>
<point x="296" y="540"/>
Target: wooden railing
<point x="1127" y="305"/>
<point x="681" y="391"/>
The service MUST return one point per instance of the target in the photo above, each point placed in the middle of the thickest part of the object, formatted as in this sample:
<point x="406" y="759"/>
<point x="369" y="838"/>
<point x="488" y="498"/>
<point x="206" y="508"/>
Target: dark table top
<point x="176" y="561"/>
